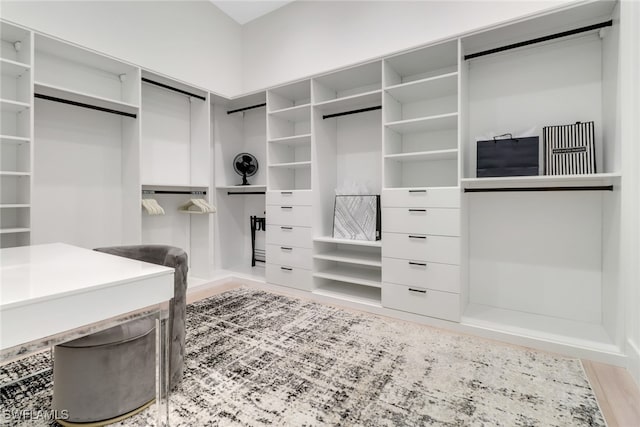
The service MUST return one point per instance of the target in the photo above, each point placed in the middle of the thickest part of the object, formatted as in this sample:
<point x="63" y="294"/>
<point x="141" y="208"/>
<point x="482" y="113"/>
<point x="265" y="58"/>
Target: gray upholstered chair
<point x="112" y="373"/>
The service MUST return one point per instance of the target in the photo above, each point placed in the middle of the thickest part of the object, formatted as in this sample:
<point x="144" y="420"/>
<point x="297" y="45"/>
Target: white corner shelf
<point x="351" y="274"/>
<point x="10" y="106"/>
<point x="350" y="292"/>
<point x="291" y="165"/>
<point x="351" y="257"/>
<point x="84" y="98"/>
<point x="299" y="113"/>
<point x="425" y="124"/>
<point x="14" y="230"/>
<point x="10" y="139"/>
<point x="424" y="156"/>
<point x="353" y="102"/>
<point x="13" y="69"/>
<point x="293" y="140"/>
<point x="429" y="88"/>
<point x="369" y="243"/>
<point x="596" y="179"/>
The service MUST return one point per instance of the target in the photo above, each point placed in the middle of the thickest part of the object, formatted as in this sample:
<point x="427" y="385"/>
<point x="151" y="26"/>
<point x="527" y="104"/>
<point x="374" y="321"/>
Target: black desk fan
<point x="245" y="165"/>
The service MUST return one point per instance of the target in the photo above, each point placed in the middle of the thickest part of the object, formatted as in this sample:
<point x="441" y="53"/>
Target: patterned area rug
<point x="256" y="358"/>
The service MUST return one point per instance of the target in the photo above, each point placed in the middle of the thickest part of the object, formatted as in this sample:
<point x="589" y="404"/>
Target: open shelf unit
<point x="421" y="117"/>
<point x="366" y="295"/>
<point x="236" y="132"/>
<point x="289" y="136"/>
<point x="16" y="152"/>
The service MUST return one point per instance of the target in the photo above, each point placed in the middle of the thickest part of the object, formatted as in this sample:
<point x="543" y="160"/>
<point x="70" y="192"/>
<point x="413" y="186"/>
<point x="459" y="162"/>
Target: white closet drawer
<point x="292" y="277"/>
<point x="287" y="235"/>
<point x="421" y="247"/>
<point x="427" y="302"/>
<point x="421" y="197"/>
<point x="289" y="198"/>
<point x="440" y="277"/>
<point x="289" y="215"/>
<point x="440" y="221"/>
<point x="289" y="255"/>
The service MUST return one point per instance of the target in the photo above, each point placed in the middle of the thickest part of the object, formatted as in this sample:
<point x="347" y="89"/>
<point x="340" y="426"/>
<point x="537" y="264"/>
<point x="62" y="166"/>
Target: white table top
<point x="48" y="289"/>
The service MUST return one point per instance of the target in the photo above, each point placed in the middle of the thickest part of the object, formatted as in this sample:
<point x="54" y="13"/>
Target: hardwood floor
<point x="615" y="390"/>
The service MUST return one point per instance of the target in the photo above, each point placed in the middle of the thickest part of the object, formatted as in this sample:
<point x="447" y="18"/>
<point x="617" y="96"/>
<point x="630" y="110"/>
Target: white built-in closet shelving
<point x="175" y="166"/>
<point x="346" y="125"/>
<point x="239" y="126"/>
<point x="16" y="161"/>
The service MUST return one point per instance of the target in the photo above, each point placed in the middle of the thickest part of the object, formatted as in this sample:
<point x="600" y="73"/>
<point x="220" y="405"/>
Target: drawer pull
<point x="286" y="268"/>
<point x="421" y="264"/>
<point x="286" y="193"/>
<point x="286" y="228"/>
<point x="286" y="207"/>
<point x="419" y="291"/>
<point x="417" y="210"/>
<point x="417" y="191"/>
<point x="284" y="248"/>
<point x="417" y="237"/>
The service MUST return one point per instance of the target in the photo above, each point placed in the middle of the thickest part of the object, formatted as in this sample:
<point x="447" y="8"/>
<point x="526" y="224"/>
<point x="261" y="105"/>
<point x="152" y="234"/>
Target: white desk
<point x="53" y="293"/>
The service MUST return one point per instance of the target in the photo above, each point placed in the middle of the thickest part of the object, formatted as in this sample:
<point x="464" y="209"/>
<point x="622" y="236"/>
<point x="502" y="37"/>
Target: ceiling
<point x="243" y="11"/>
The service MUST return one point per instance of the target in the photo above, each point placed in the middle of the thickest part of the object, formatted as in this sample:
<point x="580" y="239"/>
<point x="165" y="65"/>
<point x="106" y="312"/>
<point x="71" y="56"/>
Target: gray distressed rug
<point x="256" y="358"/>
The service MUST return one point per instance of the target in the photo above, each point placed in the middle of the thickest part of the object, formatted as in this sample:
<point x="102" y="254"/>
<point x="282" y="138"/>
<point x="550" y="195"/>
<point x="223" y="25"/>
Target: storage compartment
<point x="436" y="221"/>
<point x="292" y="277"/>
<point x="288" y="236"/>
<point x="429" y="275"/>
<point x="289" y="215"/>
<point x="289" y="198"/>
<point x="348" y="83"/>
<point x="289" y="255"/>
<point x="421" y="198"/>
<point x="420" y="247"/>
<point x="426" y="302"/>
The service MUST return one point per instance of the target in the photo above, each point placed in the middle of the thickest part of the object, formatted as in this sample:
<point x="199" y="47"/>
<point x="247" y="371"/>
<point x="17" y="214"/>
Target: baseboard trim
<point x="633" y="365"/>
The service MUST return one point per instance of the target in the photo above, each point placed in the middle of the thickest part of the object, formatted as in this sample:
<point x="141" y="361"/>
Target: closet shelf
<point x="14" y="230"/>
<point x="299" y="113"/>
<point x="350" y="274"/>
<point x="13" y="69"/>
<point x="351" y="257"/>
<point x="293" y="140"/>
<point x="349" y="292"/>
<point x="596" y="179"/>
<point x="429" y="88"/>
<point x="425" y="124"/>
<point x="12" y="173"/>
<point x="10" y="106"/>
<point x="353" y="102"/>
<point x="10" y="139"/>
<point x="329" y="239"/>
<point x="291" y="165"/>
<point x="84" y="98"/>
<point x="14" y="205"/>
<point x="419" y="156"/>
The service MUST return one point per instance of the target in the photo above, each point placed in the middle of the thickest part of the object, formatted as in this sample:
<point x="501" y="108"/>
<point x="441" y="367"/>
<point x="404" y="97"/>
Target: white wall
<point x="191" y="41"/>
<point x="308" y="37"/>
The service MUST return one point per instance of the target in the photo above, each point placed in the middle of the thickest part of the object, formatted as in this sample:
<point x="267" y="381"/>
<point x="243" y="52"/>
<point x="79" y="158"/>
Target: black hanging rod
<point x="541" y="39"/>
<point x="246" y="108"/>
<point x="361" y="110"/>
<point x="200" y="193"/>
<point x="232" y="193"/>
<point x="83" y="105"/>
<point x="505" y="189"/>
<point x="184" y="92"/>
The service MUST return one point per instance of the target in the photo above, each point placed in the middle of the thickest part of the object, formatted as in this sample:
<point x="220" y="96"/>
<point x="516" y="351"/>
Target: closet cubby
<point x="421" y="118"/>
<point x="16" y="94"/>
<point x="75" y="74"/>
<point x="289" y="136"/>
<point x="556" y="278"/>
<point x="239" y="126"/>
<point x="351" y="89"/>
